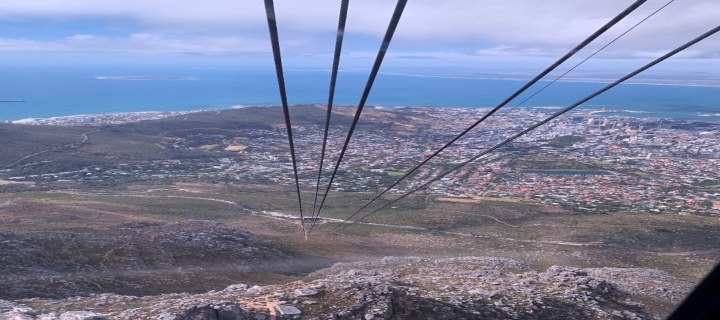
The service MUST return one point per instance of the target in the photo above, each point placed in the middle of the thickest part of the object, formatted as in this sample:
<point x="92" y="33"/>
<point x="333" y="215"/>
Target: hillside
<point x="42" y="149"/>
<point x="132" y="257"/>
<point x="400" y="288"/>
<point x="181" y="206"/>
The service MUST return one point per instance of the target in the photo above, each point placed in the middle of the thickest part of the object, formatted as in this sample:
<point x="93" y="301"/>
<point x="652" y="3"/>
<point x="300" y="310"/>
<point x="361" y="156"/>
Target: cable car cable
<point x="584" y="43"/>
<point x="557" y="114"/>
<point x="333" y="78"/>
<point x="586" y="59"/>
<point x="274" y="39"/>
<point x="373" y="73"/>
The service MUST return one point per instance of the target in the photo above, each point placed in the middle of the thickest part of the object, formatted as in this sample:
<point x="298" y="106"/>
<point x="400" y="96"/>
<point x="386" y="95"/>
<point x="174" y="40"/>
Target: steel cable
<point x="586" y="59"/>
<point x="274" y="39"/>
<point x="557" y="114"/>
<point x="584" y="43"/>
<point x="368" y="86"/>
<point x="333" y="78"/>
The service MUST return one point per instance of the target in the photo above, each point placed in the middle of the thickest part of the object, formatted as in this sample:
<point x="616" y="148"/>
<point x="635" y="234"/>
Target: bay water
<point x="63" y="91"/>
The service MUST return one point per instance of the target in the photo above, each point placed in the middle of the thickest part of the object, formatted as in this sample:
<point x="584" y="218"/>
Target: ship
<point x="12" y="100"/>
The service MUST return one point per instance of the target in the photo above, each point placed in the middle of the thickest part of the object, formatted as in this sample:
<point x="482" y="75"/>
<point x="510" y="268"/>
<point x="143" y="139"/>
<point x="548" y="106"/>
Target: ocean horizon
<point x="64" y="91"/>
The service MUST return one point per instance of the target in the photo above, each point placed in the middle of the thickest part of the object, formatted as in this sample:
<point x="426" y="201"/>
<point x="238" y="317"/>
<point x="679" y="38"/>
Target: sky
<point x="432" y="35"/>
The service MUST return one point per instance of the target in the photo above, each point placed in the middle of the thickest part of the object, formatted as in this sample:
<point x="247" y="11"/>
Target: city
<point x="585" y="160"/>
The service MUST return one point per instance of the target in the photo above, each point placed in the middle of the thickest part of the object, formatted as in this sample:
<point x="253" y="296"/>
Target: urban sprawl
<point x="588" y="160"/>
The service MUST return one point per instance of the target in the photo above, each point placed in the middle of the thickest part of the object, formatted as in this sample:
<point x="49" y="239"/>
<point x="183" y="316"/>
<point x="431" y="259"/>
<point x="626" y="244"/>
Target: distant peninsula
<point x="142" y="78"/>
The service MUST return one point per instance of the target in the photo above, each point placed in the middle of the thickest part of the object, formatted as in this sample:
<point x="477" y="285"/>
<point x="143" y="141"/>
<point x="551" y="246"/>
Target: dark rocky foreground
<point x="399" y="288"/>
<point x="131" y="258"/>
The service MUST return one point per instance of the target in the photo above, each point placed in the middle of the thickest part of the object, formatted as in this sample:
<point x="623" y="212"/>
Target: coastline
<point x="101" y="118"/>
<point x="129" y="117"/>
<point x="81" y="93"/>
<point x="96" y="119"/>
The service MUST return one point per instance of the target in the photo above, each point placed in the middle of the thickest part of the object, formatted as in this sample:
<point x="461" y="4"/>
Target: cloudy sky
<point x="432" y="33"/>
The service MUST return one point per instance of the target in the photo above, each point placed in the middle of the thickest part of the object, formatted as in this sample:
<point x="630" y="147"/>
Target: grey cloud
<point x="139" y="43"/>
<point x="478" y="27"/>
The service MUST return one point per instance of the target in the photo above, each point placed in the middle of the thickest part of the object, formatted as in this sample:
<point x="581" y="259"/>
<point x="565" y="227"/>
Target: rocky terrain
<point x="398" y="288"/>
<point x="127" y="257"/>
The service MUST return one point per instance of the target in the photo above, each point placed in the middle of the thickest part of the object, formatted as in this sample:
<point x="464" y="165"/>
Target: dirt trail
<point x="276" y="215"/>
<point x="83" y="139"/>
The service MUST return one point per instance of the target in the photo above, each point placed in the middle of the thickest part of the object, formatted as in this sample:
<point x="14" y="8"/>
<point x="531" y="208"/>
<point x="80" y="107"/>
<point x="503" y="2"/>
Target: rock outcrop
<point x="56" y="264"/>
<point x="403" y="288"/>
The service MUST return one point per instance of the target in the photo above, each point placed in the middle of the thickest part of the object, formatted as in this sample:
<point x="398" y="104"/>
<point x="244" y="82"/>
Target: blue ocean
<point x="62" y="91"/>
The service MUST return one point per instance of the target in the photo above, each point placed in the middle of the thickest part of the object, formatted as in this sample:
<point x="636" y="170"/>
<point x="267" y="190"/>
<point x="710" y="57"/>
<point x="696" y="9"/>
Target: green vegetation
<point x="246" y="118"/>
<point x="58" y="149"/>
<point x="20" y="140"/>
<point x="564" y="141"/>
<point x="539" y="235"/>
